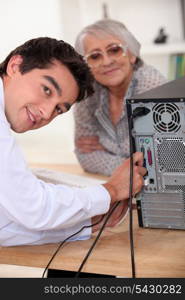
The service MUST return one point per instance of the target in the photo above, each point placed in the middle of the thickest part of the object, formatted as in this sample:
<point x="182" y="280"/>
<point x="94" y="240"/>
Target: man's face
<point x="34" y="99"/>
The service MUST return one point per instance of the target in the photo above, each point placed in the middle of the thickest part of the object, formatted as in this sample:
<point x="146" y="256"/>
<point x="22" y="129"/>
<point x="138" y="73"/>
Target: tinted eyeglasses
<point x="95" y="58"/>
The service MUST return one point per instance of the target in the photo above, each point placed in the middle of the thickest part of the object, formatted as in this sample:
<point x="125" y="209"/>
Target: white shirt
<point x="35" y="212"/>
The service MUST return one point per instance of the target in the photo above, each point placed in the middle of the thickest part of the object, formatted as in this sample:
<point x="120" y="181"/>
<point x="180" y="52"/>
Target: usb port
<point x="151" y="181"/>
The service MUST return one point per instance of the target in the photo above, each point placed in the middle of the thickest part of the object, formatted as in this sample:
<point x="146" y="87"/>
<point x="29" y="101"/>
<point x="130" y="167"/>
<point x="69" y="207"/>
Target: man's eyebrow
<point x="54" y="83"/>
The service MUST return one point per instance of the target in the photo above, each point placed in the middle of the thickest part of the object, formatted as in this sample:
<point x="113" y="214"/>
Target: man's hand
<point x="88" y="144"/>
<point x="114" y="219"/>
<point x="119" y="183"/>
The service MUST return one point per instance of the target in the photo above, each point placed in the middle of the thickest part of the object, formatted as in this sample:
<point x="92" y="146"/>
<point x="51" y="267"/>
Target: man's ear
<point x="13" y="65"/>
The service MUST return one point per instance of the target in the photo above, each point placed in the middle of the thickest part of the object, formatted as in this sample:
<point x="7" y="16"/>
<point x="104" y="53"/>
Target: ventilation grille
<point x="165" y="210"/>
<point x="181" y="189"/>
<point x="166" y="117"/>
<point x="171" y="154"/>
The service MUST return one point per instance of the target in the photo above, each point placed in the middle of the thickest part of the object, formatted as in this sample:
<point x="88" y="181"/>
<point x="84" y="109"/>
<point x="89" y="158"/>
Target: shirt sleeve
<point x="29" y="203"/>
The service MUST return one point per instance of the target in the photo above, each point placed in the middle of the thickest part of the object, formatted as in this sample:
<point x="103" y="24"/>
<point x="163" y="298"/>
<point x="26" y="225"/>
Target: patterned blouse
<point x="92" y="118"/>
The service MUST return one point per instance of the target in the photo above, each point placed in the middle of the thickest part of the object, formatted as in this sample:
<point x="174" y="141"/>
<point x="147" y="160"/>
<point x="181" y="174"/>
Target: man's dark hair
<point x="41" y="52"/>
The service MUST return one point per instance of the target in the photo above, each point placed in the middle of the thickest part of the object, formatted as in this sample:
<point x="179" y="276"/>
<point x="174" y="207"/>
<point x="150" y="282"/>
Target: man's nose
<point x="46" y="111"/>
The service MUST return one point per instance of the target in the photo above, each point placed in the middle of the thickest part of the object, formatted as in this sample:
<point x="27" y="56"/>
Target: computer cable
<point x="137" y="112"/>
<point x="131" y="149"/>
<point x="100" y="231"/>
<point x="63" y="242"/>
<point x="97" y="238"/>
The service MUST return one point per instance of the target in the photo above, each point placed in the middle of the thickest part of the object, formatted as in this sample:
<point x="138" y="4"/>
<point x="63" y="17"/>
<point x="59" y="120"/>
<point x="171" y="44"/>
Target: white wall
<point x="21" y="20"/>
<point x="142" y="17"/>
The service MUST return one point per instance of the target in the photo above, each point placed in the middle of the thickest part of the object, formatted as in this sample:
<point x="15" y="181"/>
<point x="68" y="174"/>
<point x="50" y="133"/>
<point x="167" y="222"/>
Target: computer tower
<point x="158" y="130"/>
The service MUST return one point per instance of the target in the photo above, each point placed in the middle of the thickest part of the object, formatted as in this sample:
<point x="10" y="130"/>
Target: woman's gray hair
<point x="114" y="28"/>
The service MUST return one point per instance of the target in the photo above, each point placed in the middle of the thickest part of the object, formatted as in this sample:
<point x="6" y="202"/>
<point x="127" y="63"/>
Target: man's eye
<point x="47" y="91"/>
<point x="59" y="110"/>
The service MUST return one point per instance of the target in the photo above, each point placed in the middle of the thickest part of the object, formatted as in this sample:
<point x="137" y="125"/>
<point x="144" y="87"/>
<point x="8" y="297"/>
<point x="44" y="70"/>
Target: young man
<point x="38" y="81"/>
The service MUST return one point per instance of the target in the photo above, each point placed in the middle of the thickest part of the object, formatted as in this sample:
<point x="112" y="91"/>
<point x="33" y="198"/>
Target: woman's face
<point x="110" y="66"/>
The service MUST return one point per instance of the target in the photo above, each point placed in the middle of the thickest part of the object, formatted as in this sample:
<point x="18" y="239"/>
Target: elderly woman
<point x="101" y="130"/>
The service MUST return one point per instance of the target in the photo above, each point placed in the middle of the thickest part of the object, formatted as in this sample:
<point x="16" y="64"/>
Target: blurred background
<point x="22" y="20"/>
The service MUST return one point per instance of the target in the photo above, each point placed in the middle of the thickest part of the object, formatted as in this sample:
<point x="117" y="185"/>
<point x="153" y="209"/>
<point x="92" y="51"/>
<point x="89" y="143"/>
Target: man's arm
<point x="35" y="212"/>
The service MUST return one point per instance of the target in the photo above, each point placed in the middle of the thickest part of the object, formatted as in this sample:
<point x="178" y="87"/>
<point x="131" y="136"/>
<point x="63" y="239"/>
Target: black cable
<point x="137" y="112"/>
<point x="63" y="242"/>
<point x="130" y="200"/>
<point x="97" y="238"/>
